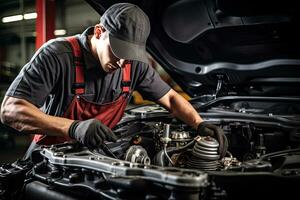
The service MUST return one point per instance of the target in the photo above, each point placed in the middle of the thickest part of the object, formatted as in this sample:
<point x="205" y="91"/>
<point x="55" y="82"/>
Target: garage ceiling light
<point x="30" y="15"/>
<point x="15" y="18"/>
<point x="58" y="32"/>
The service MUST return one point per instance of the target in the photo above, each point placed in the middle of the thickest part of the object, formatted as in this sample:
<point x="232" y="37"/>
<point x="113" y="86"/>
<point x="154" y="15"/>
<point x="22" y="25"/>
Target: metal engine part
<point x="180" y="135"/>
<point x="180" y="138"/>
<point x="205" y="154"/>
<point x="137" y="154"/>
<point x="12" y="178"/>
<point x="95" y="176"/>
<point x="173" y="136"/>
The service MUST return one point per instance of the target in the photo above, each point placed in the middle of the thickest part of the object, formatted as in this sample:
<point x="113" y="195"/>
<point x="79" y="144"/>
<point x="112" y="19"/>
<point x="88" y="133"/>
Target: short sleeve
<point x="150" y="85"/>
<point x="37" y="78"/>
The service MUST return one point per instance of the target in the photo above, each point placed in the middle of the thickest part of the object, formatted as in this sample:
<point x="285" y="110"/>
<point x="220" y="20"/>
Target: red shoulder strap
<point x="79" y="74"/>
<point x="126" y="81"/>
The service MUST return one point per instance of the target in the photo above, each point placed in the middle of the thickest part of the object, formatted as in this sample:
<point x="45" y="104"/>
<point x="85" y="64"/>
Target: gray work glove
<point x="206" y="129"/>
<point x="91" y="133"/>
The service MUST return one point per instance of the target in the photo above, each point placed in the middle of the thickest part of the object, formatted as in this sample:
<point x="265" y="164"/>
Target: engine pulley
<point x="137" y="154"/>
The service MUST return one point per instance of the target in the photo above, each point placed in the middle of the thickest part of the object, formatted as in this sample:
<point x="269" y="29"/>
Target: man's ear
<point x="98" y="30"/>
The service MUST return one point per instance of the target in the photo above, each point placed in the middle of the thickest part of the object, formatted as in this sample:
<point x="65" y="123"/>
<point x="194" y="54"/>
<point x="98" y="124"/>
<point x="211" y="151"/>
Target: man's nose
<point x="121" y="62"/>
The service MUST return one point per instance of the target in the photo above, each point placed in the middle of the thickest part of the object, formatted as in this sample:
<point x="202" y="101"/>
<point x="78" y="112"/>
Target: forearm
<point x="181" y="108"/>
<point x="27" y="118"/>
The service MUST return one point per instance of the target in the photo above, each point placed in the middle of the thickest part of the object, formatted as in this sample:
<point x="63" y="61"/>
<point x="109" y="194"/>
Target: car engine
<point x="160" y="157"/>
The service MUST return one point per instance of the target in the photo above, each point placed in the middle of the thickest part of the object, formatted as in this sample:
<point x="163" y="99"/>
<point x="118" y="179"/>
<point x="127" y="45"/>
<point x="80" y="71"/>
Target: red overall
<point x="81" y="109"/>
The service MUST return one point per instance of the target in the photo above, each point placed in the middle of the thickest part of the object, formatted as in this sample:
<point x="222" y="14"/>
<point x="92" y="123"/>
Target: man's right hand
<point x="91" y="133"/>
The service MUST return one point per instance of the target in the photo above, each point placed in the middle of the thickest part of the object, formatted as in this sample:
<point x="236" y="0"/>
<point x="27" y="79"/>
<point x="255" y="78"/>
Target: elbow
<point x="8" y="111"/>
<point x="2" y="116"/>
<point x="5" y="115"/>
<point x="3" y="112"/>
<point x="177" y="102"/>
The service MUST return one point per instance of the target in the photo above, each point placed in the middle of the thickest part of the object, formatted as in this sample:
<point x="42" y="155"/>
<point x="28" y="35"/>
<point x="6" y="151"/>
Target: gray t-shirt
<point x="47" y="79"/>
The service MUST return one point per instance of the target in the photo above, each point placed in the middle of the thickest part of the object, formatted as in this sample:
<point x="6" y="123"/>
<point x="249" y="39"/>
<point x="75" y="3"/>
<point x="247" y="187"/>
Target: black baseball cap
<point x="128" y="27"/>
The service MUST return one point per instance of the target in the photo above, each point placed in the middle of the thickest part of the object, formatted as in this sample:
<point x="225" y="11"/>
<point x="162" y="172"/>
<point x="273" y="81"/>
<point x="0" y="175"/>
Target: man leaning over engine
<point x="78" y="87"/>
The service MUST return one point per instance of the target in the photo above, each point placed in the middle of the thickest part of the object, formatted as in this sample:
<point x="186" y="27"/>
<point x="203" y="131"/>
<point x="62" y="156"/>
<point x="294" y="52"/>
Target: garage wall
<point x="79" y="17"/>
<point x="75" y="18"/>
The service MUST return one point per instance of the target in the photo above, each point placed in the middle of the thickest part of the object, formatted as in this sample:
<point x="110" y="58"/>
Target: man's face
<point x="108" y="60"/>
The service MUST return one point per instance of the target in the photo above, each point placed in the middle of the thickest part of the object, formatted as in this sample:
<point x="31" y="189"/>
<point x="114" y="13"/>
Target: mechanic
<point x="78" y="87"/>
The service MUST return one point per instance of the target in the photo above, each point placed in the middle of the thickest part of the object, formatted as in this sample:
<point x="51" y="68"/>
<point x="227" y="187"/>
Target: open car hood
<point x="225" y="47"/>
<point x="245" y="51"/>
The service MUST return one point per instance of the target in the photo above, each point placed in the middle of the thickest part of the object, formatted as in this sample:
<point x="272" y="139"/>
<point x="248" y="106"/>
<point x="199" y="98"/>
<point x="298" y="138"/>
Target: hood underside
<point x="225" y="47"/>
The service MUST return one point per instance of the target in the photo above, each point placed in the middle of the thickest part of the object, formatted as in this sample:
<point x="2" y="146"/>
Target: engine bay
<point x="177" y="145"/>
<point x="159" y="157"/>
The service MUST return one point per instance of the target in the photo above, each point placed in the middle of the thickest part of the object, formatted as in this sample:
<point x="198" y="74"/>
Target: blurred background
<point x="18" y="41"/>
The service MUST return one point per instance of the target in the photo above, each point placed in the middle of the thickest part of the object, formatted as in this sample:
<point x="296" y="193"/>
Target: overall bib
<point x="81" y="109"/>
